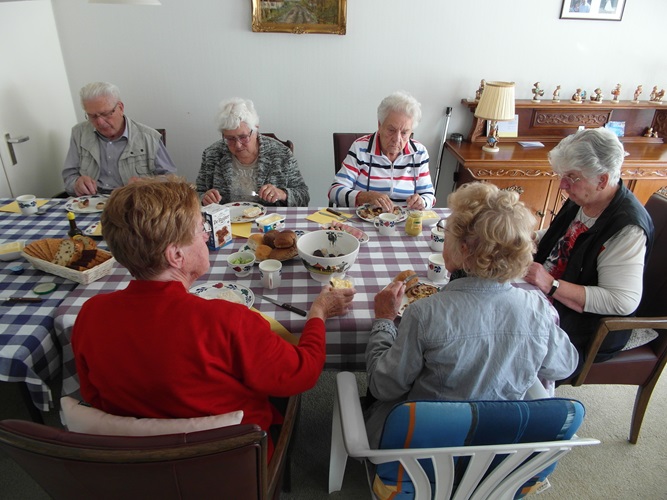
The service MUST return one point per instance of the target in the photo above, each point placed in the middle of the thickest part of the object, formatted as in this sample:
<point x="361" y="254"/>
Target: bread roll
<point x="262" y="252"/>
<point x="285" y="239"/>
<point x="283" y="253"/>
<point x="270" y="237"/>
<point x="405" y="274"/>
<point x="254" y="240"/>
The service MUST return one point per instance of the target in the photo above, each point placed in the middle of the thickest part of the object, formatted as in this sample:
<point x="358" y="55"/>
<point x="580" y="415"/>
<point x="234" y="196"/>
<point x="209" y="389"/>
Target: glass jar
<point x="413" y="224"/>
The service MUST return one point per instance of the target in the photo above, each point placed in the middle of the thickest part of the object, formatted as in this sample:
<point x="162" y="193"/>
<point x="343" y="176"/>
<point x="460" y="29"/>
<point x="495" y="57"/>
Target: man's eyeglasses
<point x="243" y="139"/>
<point x="102" y="115"/>
<point x="569" y="180"/>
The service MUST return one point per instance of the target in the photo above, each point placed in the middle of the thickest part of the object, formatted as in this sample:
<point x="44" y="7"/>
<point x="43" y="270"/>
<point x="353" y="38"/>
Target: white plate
<point x="299" y="234"/>
<point x="405" y="301"/>
<point x="72" y="205"/>
<point x="213" y="290"/>
<point x="402" y="213"/>
<point x="95" y="229"/>
<point x="236" y="211"/>
<point x="356" y="232"/>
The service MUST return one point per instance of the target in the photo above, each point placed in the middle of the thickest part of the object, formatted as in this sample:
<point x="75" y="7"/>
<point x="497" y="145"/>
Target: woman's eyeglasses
<point x="569" y="179"/>
<point x="243" y="139"/>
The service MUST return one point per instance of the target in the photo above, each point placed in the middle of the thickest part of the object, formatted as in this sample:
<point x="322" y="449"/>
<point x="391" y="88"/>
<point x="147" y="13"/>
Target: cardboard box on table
<point x="219" y="219"/>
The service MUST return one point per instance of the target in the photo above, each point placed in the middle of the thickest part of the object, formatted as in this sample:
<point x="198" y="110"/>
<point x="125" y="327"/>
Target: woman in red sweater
<point x="155" y="350"/>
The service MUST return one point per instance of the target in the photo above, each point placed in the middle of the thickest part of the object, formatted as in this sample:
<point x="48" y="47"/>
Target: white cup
<point x="437" y="239"/>
<point x="27" y="203"/>
<point x="270" y="273"/>
<point x="386" y="224"/>
<point x="437" y="272"/>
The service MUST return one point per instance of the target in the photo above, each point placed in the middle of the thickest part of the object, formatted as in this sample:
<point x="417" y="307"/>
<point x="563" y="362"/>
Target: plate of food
<point x="230" y="292"/>
<point x="273" y="246"/>
<point x="95" y="229"/>
<point x="341" y="226"/>
<point x="415" y="292"/>
<point x="86" y="204"/>
<point x="245" y="211"/>
<point x="368" y="212"/>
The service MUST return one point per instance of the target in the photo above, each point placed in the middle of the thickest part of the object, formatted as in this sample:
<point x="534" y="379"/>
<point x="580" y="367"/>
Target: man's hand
<point x="388" y="300"/>
<point x="211" y="196"/>
<point x="374" y="198"/>
<point x="85" y="185"/>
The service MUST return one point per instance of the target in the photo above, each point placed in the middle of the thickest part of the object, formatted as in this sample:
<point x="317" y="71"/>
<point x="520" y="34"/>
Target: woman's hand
<point x="374" y="198"/>
<point x="388" y="300"/>
<point x="331" y="302"/>
<point x="211" y="196"/>
<point x="272" y="194"/>
<point x="539" y="277"/>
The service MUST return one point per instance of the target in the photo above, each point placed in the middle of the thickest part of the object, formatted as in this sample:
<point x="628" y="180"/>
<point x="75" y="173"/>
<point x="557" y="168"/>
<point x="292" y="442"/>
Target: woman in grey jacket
<point x="247" y="166"/>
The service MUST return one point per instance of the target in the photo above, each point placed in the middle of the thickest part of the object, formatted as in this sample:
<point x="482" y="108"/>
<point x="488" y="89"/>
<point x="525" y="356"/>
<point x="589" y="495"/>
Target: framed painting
<point x="601" y="10"/>
<point x="299" y="16"/>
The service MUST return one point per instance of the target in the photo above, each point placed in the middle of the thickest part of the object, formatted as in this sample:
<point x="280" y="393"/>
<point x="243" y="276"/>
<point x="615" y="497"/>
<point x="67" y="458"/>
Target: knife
<point x="20" y="299"/>
<point x="289" y="307"/>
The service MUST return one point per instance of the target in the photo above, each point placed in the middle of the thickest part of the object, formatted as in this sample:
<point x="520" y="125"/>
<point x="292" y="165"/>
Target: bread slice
<point x="66" y="253"/>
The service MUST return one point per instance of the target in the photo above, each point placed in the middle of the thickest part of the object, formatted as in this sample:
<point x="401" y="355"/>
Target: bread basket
<point x="83" y="277"/>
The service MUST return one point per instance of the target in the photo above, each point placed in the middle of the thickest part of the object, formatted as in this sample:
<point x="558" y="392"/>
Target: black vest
<point x="581" y="268"/>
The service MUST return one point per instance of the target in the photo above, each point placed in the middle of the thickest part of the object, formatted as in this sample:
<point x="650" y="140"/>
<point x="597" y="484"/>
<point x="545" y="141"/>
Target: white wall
<point x="174" y="63"/>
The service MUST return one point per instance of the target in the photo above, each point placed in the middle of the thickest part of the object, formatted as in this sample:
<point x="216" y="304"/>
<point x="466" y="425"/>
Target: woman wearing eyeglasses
<point x="591" y="259"/>
<point x="247" y="166"/>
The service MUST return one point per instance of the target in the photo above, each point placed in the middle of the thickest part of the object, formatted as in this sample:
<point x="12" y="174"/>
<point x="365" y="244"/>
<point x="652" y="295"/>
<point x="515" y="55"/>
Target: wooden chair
<point x="341" y="143"/>
<point x="642" y="365"/>
<point x="287" y="143"/>
<point x="495" y="471"/>
<point x="227" y="462"/>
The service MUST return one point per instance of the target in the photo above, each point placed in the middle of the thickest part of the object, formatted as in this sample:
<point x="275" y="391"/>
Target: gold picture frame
<point x="298" y="16"/>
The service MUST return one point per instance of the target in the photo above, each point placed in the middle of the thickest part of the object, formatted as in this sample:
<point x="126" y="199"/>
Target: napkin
<point x="241" y="229"/>
<point x="324" y="217"/>
<point x="278" y="328"/>
<point x="13" y="207"/>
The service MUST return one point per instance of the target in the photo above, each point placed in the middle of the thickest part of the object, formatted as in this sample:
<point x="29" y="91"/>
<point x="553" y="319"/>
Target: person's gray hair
<point x="594" y="152"/>
<point x="400" y="102"/>
<point x="94" y="90"/>
<point x="234" y="111"/>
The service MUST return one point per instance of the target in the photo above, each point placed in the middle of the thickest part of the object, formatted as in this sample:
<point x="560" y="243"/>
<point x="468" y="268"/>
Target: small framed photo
<point x="291" y="16"/>
<point x="600" y="10"/>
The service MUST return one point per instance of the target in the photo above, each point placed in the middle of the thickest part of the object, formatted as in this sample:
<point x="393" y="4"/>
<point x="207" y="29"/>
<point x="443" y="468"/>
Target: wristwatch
<point x="554" y="286"/>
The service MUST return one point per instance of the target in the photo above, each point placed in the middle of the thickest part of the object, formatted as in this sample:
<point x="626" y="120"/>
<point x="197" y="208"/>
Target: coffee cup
<point x="241" y="263"/>
<point x="27" y="203"/>
<point x="270" y="273"/>
<point x="386" y="224"/>
<point x="437" y="272"/>
<point x="437" y="241"/>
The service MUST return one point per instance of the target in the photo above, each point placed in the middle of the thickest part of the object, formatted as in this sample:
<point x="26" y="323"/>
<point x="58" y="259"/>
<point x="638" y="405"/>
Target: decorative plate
<point x="220" y="290"/>
<point x="341" y="226"/>
<point x="86" y="204"/>
<point x="299" y="234"/>
<point x="236" y="211"/>
<point x="425" y="287"/>
<point x="95" y="229"/>
<point x="367" y="212"/>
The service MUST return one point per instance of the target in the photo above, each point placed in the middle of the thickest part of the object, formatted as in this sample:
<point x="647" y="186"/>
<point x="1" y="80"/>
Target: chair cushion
<point x="640" y="337"/>
<point x="78" y="417"/>
<point x="437" y="424"/>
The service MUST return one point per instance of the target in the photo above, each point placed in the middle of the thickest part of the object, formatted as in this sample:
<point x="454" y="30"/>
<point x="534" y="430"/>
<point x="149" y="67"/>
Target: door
<point x="35" y="100"/>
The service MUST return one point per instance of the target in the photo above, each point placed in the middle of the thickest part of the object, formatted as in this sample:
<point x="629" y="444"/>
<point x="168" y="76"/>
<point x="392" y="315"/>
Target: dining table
<point x="29" y="351"/>
<point x="379" y="260"/>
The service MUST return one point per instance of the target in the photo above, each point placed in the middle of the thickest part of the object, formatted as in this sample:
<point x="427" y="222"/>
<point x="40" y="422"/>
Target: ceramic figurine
<point x="656" y="96"/>
<point x="649" y="132"/>
<point x="638" y="92"/>
<point x="537" y="92"/>
<point x="596" y="96"/>
<point x="576" y="97"/>
<point x="556" y="94"/>
<point x="616" y="93"/>
<point x="478" y="92"/>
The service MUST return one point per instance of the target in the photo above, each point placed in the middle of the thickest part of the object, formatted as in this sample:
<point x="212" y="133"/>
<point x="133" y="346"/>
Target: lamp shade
<point x="128" y="2"/>
<point x="497" y="102"/>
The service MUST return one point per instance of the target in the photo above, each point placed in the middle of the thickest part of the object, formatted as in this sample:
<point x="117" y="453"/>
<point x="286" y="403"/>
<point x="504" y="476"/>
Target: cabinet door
<point x="537" y="194"/>
<point x="643" y="189"/>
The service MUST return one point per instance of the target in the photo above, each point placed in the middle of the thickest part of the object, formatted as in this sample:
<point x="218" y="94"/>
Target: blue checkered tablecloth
<point x="28" y="350"/>
<point x="378" y="262"/>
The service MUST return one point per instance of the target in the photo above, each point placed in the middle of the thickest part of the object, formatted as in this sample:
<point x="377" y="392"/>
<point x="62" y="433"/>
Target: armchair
<point x="641" y="366"/>
<point x="456" y="470"/>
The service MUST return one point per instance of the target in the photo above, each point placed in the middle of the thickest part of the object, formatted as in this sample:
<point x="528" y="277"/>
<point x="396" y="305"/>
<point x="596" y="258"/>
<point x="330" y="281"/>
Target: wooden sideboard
<point x="527" y="170"/>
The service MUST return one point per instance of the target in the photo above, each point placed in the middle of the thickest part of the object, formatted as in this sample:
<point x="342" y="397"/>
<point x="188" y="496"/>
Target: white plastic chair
<point x="349" y="438"/>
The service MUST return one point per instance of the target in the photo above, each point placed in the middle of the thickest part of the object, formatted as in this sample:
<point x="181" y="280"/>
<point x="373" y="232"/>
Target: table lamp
<point x="496" y="104"/>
